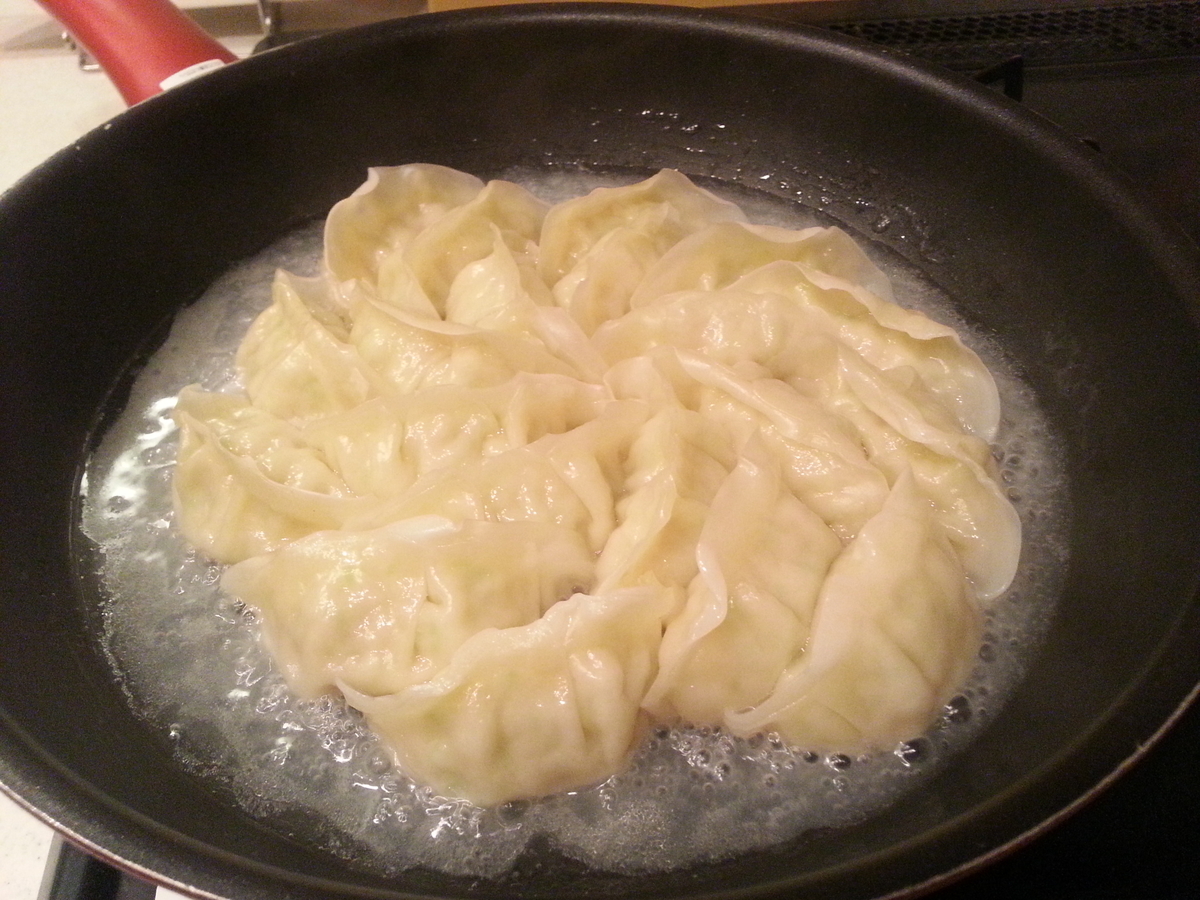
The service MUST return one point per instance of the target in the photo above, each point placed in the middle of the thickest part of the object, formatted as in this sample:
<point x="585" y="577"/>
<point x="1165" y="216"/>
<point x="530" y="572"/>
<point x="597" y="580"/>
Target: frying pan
<point x="1043" y="249"/>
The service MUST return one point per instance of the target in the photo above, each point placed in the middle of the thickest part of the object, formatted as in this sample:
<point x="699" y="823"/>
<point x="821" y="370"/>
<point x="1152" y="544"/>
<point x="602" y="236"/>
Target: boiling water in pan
<point x="189" y="661"/>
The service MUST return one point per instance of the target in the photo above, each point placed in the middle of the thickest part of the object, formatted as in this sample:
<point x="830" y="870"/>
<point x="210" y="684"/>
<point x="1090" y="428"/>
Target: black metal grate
<point x="1048" y="35"/>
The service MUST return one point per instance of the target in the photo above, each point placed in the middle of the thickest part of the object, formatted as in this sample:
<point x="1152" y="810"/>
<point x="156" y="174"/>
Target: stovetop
<point x="1124" y="77"/>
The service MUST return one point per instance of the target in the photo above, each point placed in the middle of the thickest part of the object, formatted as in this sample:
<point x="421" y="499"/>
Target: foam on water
<point x="191" y="665"/>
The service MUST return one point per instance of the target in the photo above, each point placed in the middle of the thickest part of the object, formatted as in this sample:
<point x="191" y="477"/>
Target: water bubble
<point x="118" y="504"/>
<point x="378" y="761"/>
<point x="513" y="810"/>
<point x="279" y="753"/>
<point x="914" y="752"/>
<point x="958" y="710"/>
<point x="387" y="809"/>
<point x="247" y="673"/>
<point x="341" y="749"/>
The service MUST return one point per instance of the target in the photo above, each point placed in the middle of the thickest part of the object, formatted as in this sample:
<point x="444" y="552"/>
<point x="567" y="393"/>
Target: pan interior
<point x="188" y="658"/>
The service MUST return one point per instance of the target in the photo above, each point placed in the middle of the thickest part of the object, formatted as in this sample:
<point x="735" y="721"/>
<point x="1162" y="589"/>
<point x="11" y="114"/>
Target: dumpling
<point x="822" y="461"/>
<point x="567" y="479"/>
<point x="890" y="338"/>
<point x="245" y="481"/>
<point x="528" y="711"/>
<point x="847" y="424"/>
<point x="500" y="293"/>
<point x="893" y="635"/>
<point x="377" y="611"/>
<point x="410" y="353"/>
<point x="595" y="250"/>
<point x="952" y="469"/>
<point x="382" y="446"/>
<point x="762" y="557"/>
<point x="382" y="217"/>
<point x="823" y="270"/>
<point x="502" y="213"/>
<point x="667" y="207"/>
<point x="297" y="361"/>
<point x="675" y="466"/>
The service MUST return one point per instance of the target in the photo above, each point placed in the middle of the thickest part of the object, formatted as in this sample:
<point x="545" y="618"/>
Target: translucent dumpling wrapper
<point x="762" y="556"/>
<point x="383" y="609"/>
<point x="894" y="632"/>
<point x="381" y="218"/>
<point x="382" y="446"/>
<point x="523" y="712"/>
<point x="246" y="482"/>
<point x="521" y="480"/>
<point x="666" y="207"/>
<point x="676" y="464"/>
<point x="831" y="390"/>
<point x="297" y="361"/>
<point x="502" y="213"/>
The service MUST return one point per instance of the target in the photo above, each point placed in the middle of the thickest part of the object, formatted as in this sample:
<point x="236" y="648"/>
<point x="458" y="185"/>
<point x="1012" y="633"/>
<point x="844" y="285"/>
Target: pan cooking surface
<point x="188" y="657"/>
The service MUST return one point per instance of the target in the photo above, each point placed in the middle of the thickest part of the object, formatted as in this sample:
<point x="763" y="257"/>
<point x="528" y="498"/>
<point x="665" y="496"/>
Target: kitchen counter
<point x="46" y="102"/>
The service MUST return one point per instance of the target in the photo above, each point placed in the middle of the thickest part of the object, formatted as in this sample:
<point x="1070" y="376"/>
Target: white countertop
<point x="26" y="850"/>
<point x="46" y="100"/>
<point x="25" y="845"/>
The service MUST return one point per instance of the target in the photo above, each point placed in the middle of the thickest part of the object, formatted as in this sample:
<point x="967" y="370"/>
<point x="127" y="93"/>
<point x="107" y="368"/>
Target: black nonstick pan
<point x="1042" y="248"/>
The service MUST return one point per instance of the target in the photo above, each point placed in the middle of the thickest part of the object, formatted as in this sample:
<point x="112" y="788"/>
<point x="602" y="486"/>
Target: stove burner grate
<point x="1043" y="36"/>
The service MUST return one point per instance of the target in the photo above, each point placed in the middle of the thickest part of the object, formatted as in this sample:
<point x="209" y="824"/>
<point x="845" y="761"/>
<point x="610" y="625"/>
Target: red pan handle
<point x="145" y="46"/>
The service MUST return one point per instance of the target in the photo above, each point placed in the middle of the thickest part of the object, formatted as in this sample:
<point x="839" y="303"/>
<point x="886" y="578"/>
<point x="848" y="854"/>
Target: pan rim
<point x="1184" y="272"/>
